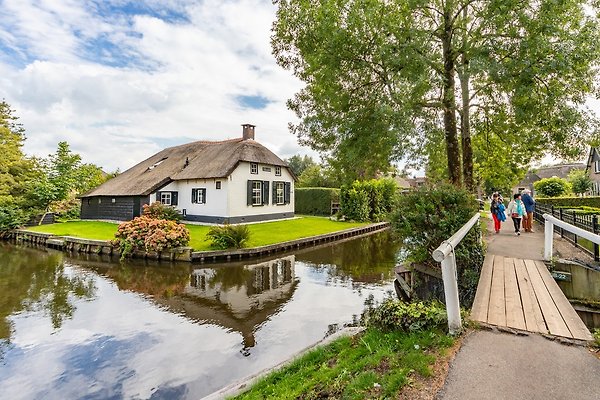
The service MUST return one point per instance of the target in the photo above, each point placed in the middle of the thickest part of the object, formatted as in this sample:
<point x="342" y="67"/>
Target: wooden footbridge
<point x="522" y="295"/>
<point x="515" y="290"/>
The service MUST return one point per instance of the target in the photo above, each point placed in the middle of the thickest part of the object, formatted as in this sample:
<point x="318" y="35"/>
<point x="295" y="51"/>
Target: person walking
<point x="495" y="210"/>
<point x="529" y="203"/>
<point x="516" y="210"/>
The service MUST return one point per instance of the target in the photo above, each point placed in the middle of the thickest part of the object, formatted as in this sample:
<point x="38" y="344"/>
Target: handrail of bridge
<point x="444" y="254"/>
<point x="549" y="223"/>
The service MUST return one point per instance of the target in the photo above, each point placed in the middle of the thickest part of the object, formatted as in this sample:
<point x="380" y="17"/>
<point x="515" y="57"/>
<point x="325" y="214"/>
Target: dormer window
<point x="253" y="168"/>
<point x="156" y="164"/>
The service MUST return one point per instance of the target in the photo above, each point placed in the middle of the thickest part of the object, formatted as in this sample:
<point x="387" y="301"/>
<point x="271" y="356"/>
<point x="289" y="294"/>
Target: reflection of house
<point x="240" y="298"/>
<point x="532" y="176"/>
<point x="236" y="180"/>
<point x="593" y="170"/>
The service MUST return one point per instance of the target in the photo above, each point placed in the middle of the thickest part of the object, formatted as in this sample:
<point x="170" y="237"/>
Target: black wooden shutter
<point x="194" y="195"/>
<point x="265" y="192"/>
<point x="287" y="193"/>
<point x="274" y="193"/>
<point x="158" y="196"/>
<point x="203" y="196"/>
<point x="174" y="198"/>
<point x="249" y="193"/>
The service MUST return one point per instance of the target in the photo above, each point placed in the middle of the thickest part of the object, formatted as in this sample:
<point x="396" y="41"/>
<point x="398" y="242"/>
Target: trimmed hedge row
<point x="315" y="201"/>
<point x="592" y="201"/>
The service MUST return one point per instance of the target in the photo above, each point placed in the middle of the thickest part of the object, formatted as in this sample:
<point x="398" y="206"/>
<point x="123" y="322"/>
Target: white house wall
<point x="216" y="199"/>
<point x="238" y="186"/>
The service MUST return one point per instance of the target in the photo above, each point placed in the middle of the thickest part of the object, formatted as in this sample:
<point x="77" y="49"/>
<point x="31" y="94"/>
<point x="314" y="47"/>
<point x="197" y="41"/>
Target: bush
<point x="368" y="200"/>
<point x="11" y="217"/>
<point x="315" y="201"/>
<point x="229" y="236"/>
<point x="570" y="202"/>
<point x="425" y="217"/>
<point x="66" y="210"/>
<point x="552" y="187"/>
<point x="393" y="315"/>
<point x="580" y="181"/>
<point x="157" y="210"/>
<point x="148" y="234"/>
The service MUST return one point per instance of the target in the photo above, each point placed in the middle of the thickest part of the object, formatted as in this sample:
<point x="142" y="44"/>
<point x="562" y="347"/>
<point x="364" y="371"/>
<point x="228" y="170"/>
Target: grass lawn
<point x="261" y="234"/>
<point x="373" y="365"/>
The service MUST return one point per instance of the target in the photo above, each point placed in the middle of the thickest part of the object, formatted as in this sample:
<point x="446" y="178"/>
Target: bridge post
<point x="451" y="294"/>
<point x="548" y="232"/>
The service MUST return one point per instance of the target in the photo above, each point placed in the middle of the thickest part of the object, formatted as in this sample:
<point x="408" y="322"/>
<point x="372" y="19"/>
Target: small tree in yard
<point x="580" y="182"/>
<point x="552" y="187"/>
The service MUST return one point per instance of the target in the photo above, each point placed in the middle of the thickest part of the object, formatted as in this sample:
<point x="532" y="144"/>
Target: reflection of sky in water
<point x="121" y="345"/>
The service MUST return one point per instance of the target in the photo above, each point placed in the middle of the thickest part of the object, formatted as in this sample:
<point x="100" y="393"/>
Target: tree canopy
<point x="387" y="80"/>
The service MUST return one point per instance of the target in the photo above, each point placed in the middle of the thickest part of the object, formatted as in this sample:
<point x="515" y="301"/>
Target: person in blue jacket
<point x="529" y="203"/>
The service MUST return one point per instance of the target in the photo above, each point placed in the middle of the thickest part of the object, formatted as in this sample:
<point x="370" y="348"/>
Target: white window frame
<point x="279" y="193"/>
<point x="597" y="166"/>
<point x="257" y="193"/>
<point x="218" y="185"/>
<point x="166" y="198"/>
<point x="254" y="168"/>
<point x="200" y="196"/>
<point x="277" y="171"/>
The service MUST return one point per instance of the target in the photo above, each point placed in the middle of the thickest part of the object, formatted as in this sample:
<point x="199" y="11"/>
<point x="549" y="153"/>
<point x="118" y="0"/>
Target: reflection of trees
<point x="369" y="259"/>
<point x="31" y="280"/>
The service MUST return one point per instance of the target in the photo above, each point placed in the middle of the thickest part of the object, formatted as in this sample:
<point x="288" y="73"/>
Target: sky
<point x="120" y="80"/>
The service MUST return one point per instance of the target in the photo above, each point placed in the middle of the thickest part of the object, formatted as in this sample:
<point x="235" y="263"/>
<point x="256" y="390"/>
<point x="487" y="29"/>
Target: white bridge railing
<point x="550" y="221"/>
<point x="444" y="254"/>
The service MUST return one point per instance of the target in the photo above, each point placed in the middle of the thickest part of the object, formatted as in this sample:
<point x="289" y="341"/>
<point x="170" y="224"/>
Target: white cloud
<point x="120" y="86"/>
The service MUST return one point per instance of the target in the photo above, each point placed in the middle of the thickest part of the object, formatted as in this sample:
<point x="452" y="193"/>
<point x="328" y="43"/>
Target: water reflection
<point x="86" y="328"/>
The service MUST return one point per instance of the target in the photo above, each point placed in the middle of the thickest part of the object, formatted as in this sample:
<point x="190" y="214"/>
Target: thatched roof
<point x="196" y="160"/>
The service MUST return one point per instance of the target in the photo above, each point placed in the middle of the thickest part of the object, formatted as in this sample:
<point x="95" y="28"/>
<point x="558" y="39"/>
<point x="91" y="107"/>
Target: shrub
<point x="552" y="187"/>
<point x="393" y="314"/>
<point x="570" y="202"/>
<point x="368" y="200"/>
<point x="11" y="217"/>
<point x="315" y="201"/>
<point x="425" y="217"/>
<point x="157" y="210"/>
<point x="229" y="236"/>
<point x="580" y="181"/>
<point x="145" y="233"/>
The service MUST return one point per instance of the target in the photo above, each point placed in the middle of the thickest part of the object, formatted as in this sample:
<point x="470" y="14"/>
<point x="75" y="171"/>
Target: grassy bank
<point x="261" y="234"/>
<point x="374" y="364"/>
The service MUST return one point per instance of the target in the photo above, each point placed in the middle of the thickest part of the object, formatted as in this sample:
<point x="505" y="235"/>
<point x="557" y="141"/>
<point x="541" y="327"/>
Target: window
<point x="253" y="168"/>
<point x="279" y="193"/>
<point x="277" y="171"/>
<point x="266" y="169"/>
<point x="114" y="200"/>
<point x="596" y="166"/>
<point x="257" y="193"/>
<point x="199" y="196"/>
<point x="165" y="198"/>
<point x="218" y="185"/>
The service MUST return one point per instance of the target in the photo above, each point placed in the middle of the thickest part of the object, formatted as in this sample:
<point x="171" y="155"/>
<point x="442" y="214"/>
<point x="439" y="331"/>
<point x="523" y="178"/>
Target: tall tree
<point x="378" y="73"/>
<point x="299" y="163"/>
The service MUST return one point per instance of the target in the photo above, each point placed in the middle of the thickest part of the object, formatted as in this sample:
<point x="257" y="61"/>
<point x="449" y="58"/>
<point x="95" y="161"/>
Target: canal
<point x="87" y="327"/>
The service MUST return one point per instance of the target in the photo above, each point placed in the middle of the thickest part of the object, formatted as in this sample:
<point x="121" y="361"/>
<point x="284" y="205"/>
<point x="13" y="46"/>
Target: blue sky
<point x="121" y="79"/>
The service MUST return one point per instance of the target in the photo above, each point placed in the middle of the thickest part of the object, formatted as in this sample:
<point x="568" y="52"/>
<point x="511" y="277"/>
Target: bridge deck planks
<point x="521" y="294"/>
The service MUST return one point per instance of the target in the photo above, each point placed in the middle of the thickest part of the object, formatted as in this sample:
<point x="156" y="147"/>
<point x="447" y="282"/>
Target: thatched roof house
<point x="199" y="173"/>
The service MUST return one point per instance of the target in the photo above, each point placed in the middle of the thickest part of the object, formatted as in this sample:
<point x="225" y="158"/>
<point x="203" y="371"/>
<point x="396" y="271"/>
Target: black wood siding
<point x="123" y="208"/>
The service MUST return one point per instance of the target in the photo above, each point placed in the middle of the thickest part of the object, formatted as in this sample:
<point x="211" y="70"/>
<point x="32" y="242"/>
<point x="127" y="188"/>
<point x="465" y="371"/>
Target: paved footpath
<point x="504" y="366"/>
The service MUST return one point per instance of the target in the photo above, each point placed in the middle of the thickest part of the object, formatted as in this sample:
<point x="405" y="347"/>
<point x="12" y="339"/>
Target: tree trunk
<point x="465" y="121"/>
<point x="449" y="101"/>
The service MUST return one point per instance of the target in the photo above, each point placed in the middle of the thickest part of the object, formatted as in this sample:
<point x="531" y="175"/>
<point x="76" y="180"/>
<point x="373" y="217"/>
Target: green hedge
<point x="592" y="201"/>
<point x="315" y="201"/>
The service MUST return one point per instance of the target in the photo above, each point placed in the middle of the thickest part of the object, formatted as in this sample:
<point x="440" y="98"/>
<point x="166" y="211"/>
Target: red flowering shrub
<point x="145" y="233"/>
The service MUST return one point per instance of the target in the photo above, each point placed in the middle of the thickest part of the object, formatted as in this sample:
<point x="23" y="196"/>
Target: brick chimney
<point x="248" y="131"/>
